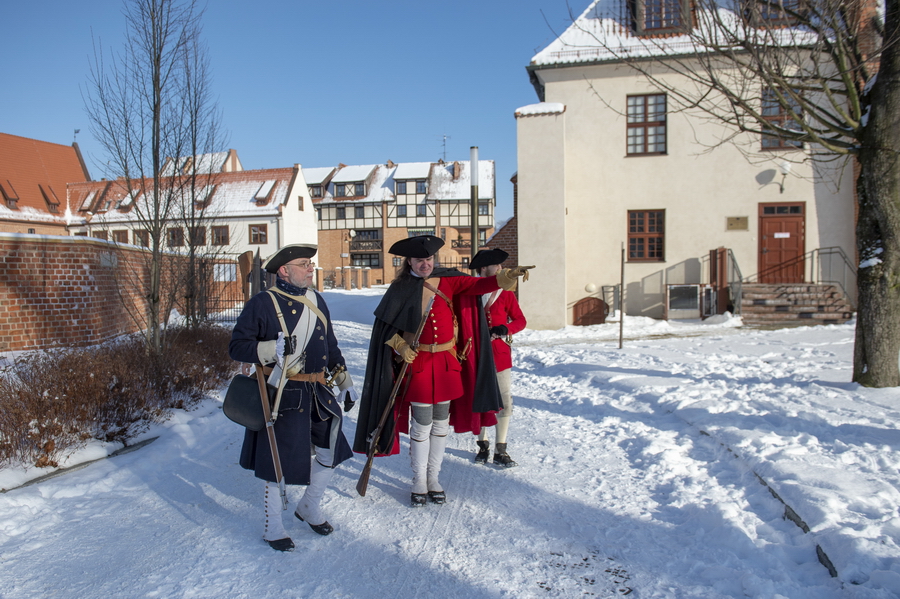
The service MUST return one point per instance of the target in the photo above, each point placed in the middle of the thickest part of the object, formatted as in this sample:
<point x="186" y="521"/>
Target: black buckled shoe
<point x="418" y="500"/>
<point x="285" y="544"/>
<point x="323" y="529"/>
<point x="484" y="452"/>
<point x="438" y="497"/>
<point x="501" y="458"/>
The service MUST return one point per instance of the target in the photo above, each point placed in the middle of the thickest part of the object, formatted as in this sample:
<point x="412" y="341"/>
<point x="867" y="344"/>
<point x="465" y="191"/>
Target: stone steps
<point x="794" y="304"/>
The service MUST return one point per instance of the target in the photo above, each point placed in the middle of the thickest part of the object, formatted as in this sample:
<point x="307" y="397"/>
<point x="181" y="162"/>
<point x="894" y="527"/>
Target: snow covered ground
<point x="640" y="474"/>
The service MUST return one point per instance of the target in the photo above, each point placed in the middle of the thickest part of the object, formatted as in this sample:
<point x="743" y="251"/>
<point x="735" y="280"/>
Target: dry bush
<point x="52" y="402"/>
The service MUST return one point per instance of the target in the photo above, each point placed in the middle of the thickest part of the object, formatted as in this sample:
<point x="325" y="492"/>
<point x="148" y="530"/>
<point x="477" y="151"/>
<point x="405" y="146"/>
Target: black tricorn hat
<point x="421" y="246"/>
<point x="488" y="257"/>
<point x="288" y="253"/>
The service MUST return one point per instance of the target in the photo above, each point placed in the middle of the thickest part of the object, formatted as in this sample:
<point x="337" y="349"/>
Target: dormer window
<point x="359" y="189"/>
<point x="772" y="13"/>
<point x="9" y="194"/>
<point x="88" y="200"/>
<point x="401" y="187"/>
<point x="340" y="190"/>
<point x="128" y="200"/>
<point x="652" y="17"/>
<point x="203" y="197"/>
<point x="420" y="186"/>
<point x="264" y="193"/>
<point x="315" y="191"/>
<point x="50" y="198"/>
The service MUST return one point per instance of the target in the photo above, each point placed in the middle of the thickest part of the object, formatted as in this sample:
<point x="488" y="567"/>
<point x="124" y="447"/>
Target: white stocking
<point x="319" y="477"/>
<point x="438" y="441"/>
<point x="502" y="428"/>
<point x="419" y="455"/>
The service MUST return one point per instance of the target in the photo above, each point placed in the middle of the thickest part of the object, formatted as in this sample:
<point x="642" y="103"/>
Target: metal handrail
<point x="819" y="268"/>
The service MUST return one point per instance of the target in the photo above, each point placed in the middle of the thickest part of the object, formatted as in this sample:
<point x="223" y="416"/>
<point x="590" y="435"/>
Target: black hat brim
<point x="487" y="258"/>
<point x="421" y="246"/>
<point x="288" y="253"/>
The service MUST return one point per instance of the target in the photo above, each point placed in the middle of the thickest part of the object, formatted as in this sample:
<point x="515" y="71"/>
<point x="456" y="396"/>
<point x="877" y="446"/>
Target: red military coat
<point x="436" y="377"/>
<point x="504" y="310"/>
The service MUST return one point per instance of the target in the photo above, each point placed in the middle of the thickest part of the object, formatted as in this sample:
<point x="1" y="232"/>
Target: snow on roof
<point x="315" y="176"/>
<point x="234" y="194"/>
<point x="603" y="32"/>
<point x="541" y="108"/>
<point x="205" y="163"/>
<point x="412" y="170"/>
<point x="379" y="188"/>
<point x="349" y="174"/>
<point x="443" y="186"/>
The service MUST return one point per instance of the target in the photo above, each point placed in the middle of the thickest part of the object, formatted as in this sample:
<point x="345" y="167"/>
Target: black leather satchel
<point x="242" y="403"/>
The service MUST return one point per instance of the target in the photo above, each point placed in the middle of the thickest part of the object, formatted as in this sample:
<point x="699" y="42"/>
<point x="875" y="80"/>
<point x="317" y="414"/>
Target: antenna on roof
<point x="444" y="144"/>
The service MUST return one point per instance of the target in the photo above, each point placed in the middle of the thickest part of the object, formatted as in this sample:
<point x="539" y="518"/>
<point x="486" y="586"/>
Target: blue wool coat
<point x="309" y="413"/>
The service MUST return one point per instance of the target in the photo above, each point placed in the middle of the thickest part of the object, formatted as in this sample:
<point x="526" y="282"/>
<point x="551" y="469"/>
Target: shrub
<point x="52" y="402"/>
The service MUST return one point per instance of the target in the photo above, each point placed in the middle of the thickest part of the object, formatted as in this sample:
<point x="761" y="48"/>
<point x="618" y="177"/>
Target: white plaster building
<point x="605" y="163"/>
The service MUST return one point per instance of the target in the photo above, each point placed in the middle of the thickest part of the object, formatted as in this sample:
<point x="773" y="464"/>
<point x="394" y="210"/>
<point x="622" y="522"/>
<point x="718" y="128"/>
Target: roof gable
<point x="34" y="175"/>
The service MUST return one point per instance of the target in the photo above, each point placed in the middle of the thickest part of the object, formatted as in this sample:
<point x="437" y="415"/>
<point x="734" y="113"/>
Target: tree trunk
<point x="877" y="349"/>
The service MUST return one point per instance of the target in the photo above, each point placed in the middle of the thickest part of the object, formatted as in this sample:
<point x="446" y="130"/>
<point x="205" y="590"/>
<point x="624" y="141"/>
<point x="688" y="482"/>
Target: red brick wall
<point x="507" y="239"/>
<point x="67" y="290"/>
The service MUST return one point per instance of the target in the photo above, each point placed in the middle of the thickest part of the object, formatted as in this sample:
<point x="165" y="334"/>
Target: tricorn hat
<point x="288" y="253"/>
<point x="421" y="246"/>
<point x="487" y="257"/>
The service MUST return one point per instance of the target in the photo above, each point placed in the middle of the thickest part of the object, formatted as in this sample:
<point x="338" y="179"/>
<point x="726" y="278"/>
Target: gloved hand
<point x="402" y="348"/>
<point x="349" y="396"/>
<point x="499" y="331"/>
<point x="520" y="271"/>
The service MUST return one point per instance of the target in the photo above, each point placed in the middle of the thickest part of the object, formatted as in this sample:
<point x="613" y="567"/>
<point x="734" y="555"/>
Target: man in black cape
<point x="453" y="360"/>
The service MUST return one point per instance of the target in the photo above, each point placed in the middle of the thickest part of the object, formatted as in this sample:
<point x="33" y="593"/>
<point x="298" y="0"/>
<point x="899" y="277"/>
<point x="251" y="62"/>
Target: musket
<point x="363" y="482"/>
<point x="270" y="431"/>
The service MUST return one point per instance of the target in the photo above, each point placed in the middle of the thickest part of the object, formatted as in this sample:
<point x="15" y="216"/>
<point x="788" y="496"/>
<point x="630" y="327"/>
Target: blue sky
<point x="310" y="82"/>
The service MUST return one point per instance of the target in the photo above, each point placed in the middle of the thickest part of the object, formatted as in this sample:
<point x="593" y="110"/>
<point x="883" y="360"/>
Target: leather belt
<point x="434" y="348"/>
<point x="315" y="377"/>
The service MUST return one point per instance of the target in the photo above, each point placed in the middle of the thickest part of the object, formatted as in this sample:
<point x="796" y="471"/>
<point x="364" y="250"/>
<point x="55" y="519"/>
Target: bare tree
<point x="820" y="74"/>
<point x="152" y="102"/>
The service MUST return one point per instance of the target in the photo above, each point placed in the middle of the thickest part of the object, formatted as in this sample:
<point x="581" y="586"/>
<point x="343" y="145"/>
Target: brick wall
<point x="57" y="290"/>
<point x="507" y="239"/>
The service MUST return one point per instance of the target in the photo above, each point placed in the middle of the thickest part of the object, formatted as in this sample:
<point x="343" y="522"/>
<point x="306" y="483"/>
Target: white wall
<point x="697" y="184"/>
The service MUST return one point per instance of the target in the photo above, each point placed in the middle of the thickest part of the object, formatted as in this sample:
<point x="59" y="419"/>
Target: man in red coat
<point x="434" y="377"/>
<point x="504" y="319"/>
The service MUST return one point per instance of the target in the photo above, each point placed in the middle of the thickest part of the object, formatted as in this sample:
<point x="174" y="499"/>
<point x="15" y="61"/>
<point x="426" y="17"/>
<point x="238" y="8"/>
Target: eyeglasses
<point x="304" y="265"/>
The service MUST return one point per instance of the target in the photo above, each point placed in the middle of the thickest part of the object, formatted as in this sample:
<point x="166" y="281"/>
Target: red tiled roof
<point x="34" y="170"/>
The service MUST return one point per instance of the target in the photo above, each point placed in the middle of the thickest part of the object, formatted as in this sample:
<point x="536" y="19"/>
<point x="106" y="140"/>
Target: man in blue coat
<point x="288" y="330"/>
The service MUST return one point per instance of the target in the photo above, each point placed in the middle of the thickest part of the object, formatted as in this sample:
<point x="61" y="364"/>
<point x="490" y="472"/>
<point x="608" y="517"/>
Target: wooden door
<point x="589" y="310"/>
<point x="782" y="242"/>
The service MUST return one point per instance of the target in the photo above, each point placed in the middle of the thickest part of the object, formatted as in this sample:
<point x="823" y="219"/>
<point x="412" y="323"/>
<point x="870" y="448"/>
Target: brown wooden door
<point x="782" y="242"/>
<point x="589" y="310"/>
